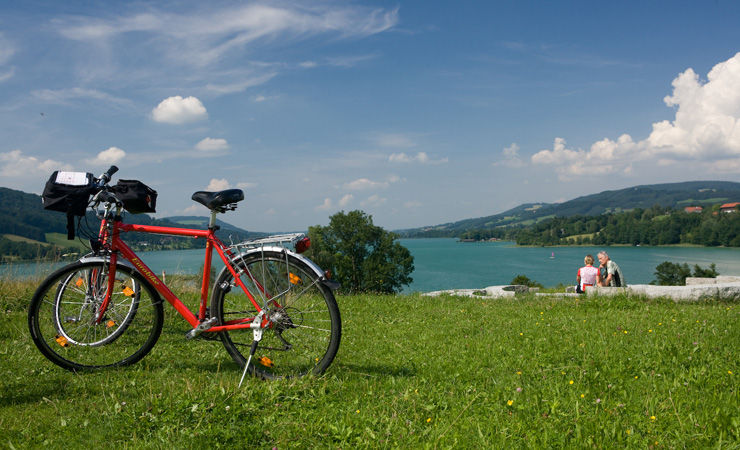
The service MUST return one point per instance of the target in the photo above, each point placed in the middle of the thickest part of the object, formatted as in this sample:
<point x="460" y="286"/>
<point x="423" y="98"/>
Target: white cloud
<point x="420" y="158"/>
<point x="15" y="164"/>
<point x="218" y="185"/>
<point x="511" y="157"/>
<point x="326" y="206"/>
<point x="374" y="200"/>
<point x="395" y="140"/>
<point x="177" y="110"/>
<point x="212" y="145"/>
<point x="706" y="130"/>
<point x="111" y="156"/>
<point x="364" y="183"/>
<point x="329" y="205"/>
<point x="346" y="200"/>
<point x="62" y="95"/>
<point x="211" y="35"/>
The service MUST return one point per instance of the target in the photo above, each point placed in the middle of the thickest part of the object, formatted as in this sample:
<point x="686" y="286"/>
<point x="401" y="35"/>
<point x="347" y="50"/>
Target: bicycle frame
<point x="111" y="230"/>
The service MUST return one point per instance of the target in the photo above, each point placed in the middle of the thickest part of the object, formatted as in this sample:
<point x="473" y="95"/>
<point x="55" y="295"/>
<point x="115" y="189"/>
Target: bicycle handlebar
<point x="105" y="178"/>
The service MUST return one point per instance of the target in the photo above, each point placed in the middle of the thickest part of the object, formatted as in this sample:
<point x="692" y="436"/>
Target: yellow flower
<point x="518" y="373"/>
<point x="570" y="382"/>
<point x="650" y="331"/>
<point x="730" y="372"/>
<point x="429" y="419"/>
<point x="510" y="402"/>
<point x="652" y="417"/>
<point x="583" y="395"/>
<point x="358" y="411"/>
<point x="628" y="431"/>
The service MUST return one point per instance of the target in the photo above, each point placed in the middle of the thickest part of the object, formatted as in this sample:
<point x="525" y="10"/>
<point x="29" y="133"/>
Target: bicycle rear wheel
<point x="63" y="317"/>
<point x="305" y="329"/>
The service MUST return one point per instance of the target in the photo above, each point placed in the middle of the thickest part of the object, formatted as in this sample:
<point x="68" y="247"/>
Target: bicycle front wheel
<point x="304" y="322"/>
<point x="69" y="328"/>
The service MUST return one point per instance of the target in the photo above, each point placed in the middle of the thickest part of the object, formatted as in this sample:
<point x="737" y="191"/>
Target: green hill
<point x="671" y="195"/>
<point x="27" y="229"/>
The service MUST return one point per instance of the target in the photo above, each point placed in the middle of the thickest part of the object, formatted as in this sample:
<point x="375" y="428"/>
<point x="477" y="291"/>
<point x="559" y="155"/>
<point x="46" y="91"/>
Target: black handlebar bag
<point x="68" y="192"/>
<point x="136" y="196"/>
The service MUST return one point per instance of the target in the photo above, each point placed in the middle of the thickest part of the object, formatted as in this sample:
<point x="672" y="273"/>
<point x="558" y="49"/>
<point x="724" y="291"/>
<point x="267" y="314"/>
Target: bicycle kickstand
<point x="256" y="326"/>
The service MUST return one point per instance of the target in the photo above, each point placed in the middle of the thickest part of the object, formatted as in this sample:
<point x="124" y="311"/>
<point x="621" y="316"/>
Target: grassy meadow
<point x="412" y="372"/>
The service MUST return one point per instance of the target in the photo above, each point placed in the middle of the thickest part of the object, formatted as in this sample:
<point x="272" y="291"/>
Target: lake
<point x="442" y="264"/>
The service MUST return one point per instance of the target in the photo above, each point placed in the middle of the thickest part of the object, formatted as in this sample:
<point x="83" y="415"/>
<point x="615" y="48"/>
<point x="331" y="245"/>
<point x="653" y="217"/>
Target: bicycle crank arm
<point x="203" y="326"/>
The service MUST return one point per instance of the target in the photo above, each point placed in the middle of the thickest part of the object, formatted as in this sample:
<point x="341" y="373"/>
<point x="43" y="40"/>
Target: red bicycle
<point x="272" y="308"/>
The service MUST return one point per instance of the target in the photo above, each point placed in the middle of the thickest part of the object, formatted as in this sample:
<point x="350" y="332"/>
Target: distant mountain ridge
<point x="21" y="214"/>
<point x="674" y="195"/>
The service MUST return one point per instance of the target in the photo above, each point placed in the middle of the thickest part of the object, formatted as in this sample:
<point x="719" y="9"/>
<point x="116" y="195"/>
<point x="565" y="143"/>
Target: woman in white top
<point x="587" y="274"/>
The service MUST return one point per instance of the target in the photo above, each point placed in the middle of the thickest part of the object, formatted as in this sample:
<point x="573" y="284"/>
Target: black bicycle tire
<point x="40" y="330"/>
<point x="220" y="289"/>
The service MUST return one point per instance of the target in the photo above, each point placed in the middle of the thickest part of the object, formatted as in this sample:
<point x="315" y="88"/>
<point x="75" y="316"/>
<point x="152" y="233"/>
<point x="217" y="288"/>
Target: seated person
<point x="613" y="275"/>
<point x="587" y="274"/>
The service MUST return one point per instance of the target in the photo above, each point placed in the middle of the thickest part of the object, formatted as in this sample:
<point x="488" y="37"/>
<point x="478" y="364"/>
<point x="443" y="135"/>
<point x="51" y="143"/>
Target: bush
<point x="672" y="274"/>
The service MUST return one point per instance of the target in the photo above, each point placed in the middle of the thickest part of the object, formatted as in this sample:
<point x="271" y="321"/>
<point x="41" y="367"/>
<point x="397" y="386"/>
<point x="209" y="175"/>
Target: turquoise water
<point x="447" y="264"/>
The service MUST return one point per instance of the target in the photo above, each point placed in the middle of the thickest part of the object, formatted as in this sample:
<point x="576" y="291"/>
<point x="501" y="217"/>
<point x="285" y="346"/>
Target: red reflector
<point x="302" y="245"/>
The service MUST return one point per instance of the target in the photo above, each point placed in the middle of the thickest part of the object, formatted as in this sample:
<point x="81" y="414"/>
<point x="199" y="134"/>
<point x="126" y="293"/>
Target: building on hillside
<point x="729" y="207"/>
<point x="693" y="209"/>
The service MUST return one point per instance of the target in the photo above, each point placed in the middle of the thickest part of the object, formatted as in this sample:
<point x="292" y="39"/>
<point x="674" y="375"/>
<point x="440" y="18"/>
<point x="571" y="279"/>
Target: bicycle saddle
<point x="217" y="200"/>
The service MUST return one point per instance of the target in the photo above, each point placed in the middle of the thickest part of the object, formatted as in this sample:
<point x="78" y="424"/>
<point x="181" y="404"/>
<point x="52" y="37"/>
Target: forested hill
<point x="23" y="219"/>
<point x="671" y="195"/>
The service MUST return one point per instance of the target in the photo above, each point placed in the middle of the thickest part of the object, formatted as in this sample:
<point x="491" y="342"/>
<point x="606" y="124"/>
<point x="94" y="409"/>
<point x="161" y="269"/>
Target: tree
<point x="523" y="280"/>
<point x="671" y="274"/>
<point x="361" y="256"/>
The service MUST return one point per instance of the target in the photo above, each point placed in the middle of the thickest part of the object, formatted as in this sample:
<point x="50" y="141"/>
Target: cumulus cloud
<point x="17" y="165"/>
<point x="419" y="158"/>
<point x="373" y="200"/>
<point x="706" y="129"/>
<point x="212" y="145"/>
<point x="511" y="157"/>
<point x="326" y="206"/>
<point x="346" y="200"/>
<point x="177" y="110"/>
<point x="113" y="155"/>
<point x="218" y="185"/>
<point x="329" y="205"/>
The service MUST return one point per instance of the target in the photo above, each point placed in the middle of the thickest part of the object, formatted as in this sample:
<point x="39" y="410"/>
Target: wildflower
<point x="583" y="395"/>
<point x="730" y="372"/>
<point x="429" y="419"/>
<point x="510" y="402"/>
<point x="628" y="431"/>
<point x="570" y="382"/>
<point x="519" y="373"/>
<point x="598" y="400"/>
<point x="519" y="389"/>
<point x="652" y="417"/>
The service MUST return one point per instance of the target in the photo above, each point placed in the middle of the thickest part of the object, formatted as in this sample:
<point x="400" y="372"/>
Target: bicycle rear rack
<point x="278" y="239"/>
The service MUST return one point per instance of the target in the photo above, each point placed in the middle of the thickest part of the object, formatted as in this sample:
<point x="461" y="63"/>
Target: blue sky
<point x="416" y="112"/>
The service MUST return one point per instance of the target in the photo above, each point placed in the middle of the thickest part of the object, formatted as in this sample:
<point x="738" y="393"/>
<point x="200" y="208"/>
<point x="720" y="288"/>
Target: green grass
<point x="412" y="372"/>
